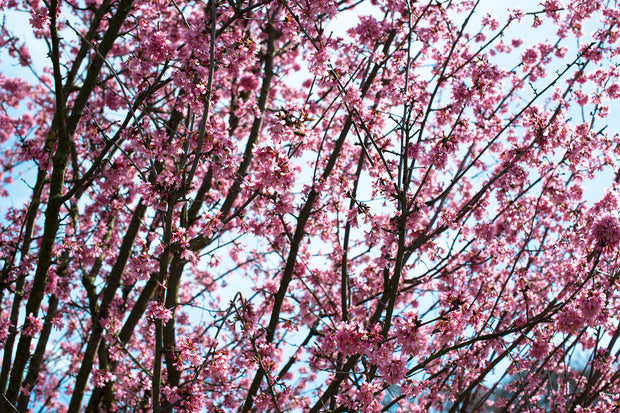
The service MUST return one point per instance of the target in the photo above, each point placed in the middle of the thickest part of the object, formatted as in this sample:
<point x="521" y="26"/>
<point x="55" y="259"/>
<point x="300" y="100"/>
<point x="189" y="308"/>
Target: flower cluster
<point x="606" y="232"/>
<point x="157" y="311"/>
<point x="409" y="334"/>
<point x="33" y="325"/>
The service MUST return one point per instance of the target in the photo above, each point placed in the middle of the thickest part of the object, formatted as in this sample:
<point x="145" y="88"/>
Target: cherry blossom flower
<point x="159" y="312"/>
<point x="606" y="232"/>
<point x="33" y="325"/>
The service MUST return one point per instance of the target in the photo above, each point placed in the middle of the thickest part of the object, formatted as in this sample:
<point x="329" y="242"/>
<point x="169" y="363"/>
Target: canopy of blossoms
<point x="309" y="205"/>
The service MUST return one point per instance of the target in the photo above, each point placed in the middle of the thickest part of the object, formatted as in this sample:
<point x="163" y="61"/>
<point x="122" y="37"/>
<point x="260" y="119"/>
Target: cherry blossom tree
<point x="237" y="206"/>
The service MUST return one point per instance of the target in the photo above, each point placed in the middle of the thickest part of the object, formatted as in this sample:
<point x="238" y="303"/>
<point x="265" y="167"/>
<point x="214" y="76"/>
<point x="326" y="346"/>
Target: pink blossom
<point x="591" y="305"/>
<point x="367" y="31"/>
<point x="319" y="63"/>
<point x="582" y="98"/>
<point x="33" y="325"/>
<point x="516" y="43"/>
<point x="530" y="57"/>
<point x="606" y="232"/>
<point x="194" y="401"/>
<point x="561" y="52"/>
<point x="4" y="329"/>
<point x="516" y="14"/>
<point x="614" y="91"/>
<point x="187" y="353"/>
<point x="395" y="371"/>
<point x="362" y="399"/>
<point x="409" y="334"/>
<point x="539" y="349"/>
<point x="491" y="21"/>
<point x="350" y="338"/>
<point x="100" y="378"/>
<point x="159" y="312"/>
<point x="570" y="321"/>
<point x="159" y="48"/>
<point x="39" y="19"/>
<point x="248" y="83"/>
